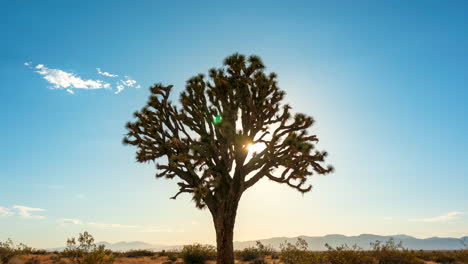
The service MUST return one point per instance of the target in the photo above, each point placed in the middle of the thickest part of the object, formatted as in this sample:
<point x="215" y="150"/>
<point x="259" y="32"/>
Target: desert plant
<point x="86" y="252"/>
<point x="172" y="256"/>
<point x="348" y="255"/>
<point x="8" y="250"/>
<point x="391" y="252"/>
<point x="56" y="258"/>
<point x="253" y="253"/>
<point x="297" y="253"/>
<point x="197" y="254"/>
<point x="33" y="260"/>
<point x="230" y="131"/>
<point x="139" y="253"/>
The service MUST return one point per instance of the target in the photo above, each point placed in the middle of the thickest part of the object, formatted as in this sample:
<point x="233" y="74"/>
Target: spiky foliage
<point x="203" y="142"/>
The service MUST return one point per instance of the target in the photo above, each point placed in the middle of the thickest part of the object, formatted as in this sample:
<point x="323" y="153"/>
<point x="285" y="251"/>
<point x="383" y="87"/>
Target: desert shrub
<point x="39" y="251"/>
<point x="348" y="255"/>
<point x="259" y="261"/>
<point x="86" y="252"/>
<point x="393" y="253"/>
<point x="197" y="254"/>
<point x="445" y="257"/>
<point x="8" y="250"/>
<point x="139" y="253"/>
<point x="254" y="253"/>
<point x="247" y="254"/>
<point x="298" y="254"/>
<point x="55" y="258"/>
<point x="33" y="260"/>
<point x="171" y="255"/>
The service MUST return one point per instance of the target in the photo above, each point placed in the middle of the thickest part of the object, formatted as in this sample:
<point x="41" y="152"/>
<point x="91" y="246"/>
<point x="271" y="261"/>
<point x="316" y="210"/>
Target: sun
<point x="256" y="148"/>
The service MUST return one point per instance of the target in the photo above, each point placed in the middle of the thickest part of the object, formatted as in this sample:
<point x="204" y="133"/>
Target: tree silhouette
<point x="205" y="140"/>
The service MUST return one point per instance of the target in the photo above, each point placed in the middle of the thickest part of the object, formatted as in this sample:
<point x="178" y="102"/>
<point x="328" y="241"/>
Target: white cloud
<point x="69" y="81"/>
<point x="156" y="230"/>
<point x="5" y="211"/>
<point x="128" y="82"/>
<point x="105" y="73"/>
<point x="75" y="221"/>
<point x="61" y="79"/>
<point x="441" y="218"/>
<point x="70" y="221"/>
<point x="119" y="88"/>
<point x="111" y="225"/>
<point x="25" y="211"/>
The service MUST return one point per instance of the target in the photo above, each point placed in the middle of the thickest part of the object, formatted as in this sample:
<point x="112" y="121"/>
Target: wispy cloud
<point x="106" y="73"/>
<point x="25" y="211"/>
<point x="156" y="230"/>
<point x="69" y="221"/>
<point x="5" y="211"/>
<point x="441" y="218"/>
<point x="65" y="80"/>
<point x="74" y="221"/>
<point x="137" y="228"/>
<point x="120" y="88"/>
<point x="70" y="81"/>
<point x="101" y="225"/>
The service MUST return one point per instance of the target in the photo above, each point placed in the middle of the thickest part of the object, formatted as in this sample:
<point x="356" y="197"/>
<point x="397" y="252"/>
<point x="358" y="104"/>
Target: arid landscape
<point x="234" y="132"/>
<point x="87" y="252"/>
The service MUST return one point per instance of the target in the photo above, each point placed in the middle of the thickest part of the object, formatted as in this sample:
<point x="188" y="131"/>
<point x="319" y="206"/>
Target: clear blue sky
<point x="387" y="82"/>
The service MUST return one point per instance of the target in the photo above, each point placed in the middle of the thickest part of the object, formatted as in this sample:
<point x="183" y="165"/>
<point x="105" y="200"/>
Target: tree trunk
<point x="224" y="221"/>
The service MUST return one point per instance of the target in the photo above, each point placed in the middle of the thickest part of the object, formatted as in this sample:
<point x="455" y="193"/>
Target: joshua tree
<point x="229" y="131"/>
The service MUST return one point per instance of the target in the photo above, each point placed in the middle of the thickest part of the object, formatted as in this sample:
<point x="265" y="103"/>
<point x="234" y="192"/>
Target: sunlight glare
<point x="256" y="148"/>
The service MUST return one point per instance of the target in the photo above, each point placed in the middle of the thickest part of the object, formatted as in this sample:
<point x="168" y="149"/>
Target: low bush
<point x="347" y="255"/>
<point x="391" y="252"/>
<point x="197" y="254"/>
<point x="254" y="253"/>
<point x="298" y="254"/>
<point x="171" y="255"/>
<point x="86" y="252"/>
<point x="33" y="260"/>
<point x="8" y="250"/>
<point x="139" y="253"/>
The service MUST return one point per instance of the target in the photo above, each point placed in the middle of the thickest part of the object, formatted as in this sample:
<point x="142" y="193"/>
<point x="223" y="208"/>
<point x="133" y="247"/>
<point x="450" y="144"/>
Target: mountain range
<point x="315" y="242"/>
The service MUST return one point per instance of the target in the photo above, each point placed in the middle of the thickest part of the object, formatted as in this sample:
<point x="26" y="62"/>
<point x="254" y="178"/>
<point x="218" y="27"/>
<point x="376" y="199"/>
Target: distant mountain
<point x="363" y="241"/>
<point x="315" y="243"/>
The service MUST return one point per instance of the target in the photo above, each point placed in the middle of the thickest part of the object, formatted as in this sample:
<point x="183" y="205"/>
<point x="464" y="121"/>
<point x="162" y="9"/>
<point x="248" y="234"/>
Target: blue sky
<point x="385" y="80"/>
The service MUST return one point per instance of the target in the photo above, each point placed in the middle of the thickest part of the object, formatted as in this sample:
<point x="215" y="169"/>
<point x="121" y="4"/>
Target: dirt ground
<point x="54" y="259"/>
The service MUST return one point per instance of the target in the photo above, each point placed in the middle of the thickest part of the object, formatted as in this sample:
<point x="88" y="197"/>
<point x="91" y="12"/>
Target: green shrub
<point x="33" y="260"/>
<point x="197" y="254"/>
<point x="348" y="255"/>
<point x="393" y="253"/>
<point x="86" y="252"/>
<point x="298" y="254"/>
<point x="255" y="253"/>
<point x="139" y="253"/>
<point x="171" y="255"/>
<point x="8" y="250"/>
<point x="39" y="252"/>
<point x="55" y="258"/>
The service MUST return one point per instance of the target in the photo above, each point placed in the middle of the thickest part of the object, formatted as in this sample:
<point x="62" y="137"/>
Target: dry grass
<point x="52" y="258"/>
